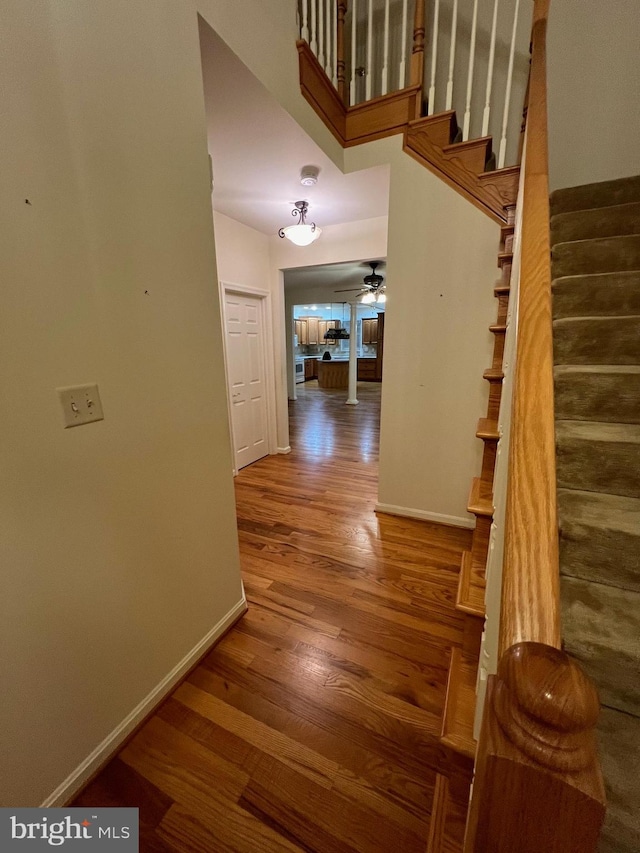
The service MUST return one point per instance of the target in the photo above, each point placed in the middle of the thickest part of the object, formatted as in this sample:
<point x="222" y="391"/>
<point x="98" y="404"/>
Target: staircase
<point x="595" y="235"/>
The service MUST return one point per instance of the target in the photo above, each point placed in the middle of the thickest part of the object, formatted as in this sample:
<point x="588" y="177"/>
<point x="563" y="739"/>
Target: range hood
<point x="336" y="335"/>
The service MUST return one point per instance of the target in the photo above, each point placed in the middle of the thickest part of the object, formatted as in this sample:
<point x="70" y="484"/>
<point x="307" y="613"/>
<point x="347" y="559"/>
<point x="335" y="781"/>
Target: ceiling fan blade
<point x="351" y="290"/>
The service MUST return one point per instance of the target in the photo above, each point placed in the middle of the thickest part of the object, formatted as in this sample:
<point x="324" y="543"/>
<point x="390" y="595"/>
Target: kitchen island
<point x="333" y="374"/>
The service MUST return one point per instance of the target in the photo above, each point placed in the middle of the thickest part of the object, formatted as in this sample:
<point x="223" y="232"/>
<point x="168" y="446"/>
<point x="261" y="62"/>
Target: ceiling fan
<point x="372" y="288"/>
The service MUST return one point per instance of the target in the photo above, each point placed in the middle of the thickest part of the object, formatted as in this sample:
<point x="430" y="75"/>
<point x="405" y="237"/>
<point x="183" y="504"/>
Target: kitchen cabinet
<point x="367" y="369"/>
<point x="300" y="329"/>
<point x="380" y="347"/>
<point x="370" y="331"/>
<point x="310" y="369"/>
<point x="312" y="330"/>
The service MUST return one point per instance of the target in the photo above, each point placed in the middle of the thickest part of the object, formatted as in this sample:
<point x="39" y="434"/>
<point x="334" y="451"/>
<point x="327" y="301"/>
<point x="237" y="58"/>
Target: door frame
<point x="266" y="318"/>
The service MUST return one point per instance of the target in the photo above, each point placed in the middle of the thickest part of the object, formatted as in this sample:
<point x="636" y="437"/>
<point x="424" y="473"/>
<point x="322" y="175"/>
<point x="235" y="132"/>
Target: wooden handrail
<point x="530" y="592"/>
<point x="538" y="784"/>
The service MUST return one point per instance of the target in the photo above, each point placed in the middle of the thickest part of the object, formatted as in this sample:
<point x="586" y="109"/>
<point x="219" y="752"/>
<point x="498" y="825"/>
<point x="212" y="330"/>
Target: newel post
<point x="537" y="786"/>
<point x="340" y="63"/>
<point x="417" y="51"/>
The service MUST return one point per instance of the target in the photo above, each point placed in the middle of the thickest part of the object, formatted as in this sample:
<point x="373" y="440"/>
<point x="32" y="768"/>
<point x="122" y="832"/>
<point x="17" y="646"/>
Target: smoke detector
<point x="309" y="176"/>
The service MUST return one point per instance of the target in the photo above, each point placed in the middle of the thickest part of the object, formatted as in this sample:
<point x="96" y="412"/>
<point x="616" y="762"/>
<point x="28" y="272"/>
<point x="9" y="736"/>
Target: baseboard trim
<point x="425" y="515"/>
<point x="286" y="449"/>
<point x="112" y="743"/>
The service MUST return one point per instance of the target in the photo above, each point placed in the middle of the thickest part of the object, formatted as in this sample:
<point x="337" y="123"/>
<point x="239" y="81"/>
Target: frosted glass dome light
<point x="303" y="233"/>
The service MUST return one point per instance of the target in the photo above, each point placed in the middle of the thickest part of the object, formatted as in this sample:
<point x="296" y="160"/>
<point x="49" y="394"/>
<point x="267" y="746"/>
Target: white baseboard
<point x="286" y="449"/>
<point x="425" y="515"/>
<point x="110" y="745"/>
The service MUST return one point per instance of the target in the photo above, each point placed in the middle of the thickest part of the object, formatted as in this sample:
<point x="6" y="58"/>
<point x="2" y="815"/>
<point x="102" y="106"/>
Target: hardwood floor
<point x="314" y="724"/>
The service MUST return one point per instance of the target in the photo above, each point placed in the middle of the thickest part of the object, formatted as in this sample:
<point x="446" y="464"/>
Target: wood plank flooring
<point x="314" y="724"/>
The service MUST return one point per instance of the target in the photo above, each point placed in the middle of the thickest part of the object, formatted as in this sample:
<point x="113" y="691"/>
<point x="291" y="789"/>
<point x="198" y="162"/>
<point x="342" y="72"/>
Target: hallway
<point x="313" y="725"/>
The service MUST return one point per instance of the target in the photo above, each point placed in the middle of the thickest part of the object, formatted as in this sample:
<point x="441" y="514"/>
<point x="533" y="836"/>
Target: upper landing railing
<point x="470" y="56"/>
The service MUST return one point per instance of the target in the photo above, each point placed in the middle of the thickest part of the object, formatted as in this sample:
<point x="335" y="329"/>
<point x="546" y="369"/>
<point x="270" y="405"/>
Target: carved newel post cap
<point x="546" y="706"/>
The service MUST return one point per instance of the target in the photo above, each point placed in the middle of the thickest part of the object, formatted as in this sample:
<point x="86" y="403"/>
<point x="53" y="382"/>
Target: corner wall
<point x="119" y="546"/>
<point x="593" y="82"/>
<point x="441" y="270"/>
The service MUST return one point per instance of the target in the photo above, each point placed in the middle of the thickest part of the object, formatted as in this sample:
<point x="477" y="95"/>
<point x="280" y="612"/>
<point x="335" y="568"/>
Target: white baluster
<point x="314" y="29"/>
<point x="492" y="54"/>
<point x="402" y="73"/>
<point x="434" y="57"/>
<point x="507" y="95"/>
<point x="452" y="55"/>
<point x="472" y="57"/>
<point x="321" y="33"/>
<point x="384" y="81"/>
<point x="304" y="30"/>
<point x="354" y="58"/>
<point x="369" y="78"/>
<point x="328" y="19"/>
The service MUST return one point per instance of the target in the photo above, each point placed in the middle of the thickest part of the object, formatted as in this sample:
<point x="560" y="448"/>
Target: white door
<point x="246" y="378"/>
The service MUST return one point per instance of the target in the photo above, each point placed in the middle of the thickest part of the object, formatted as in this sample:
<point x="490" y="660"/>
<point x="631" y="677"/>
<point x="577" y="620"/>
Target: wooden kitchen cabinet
<point x="300" y="329"/>
<point x="367" y="370"/>
<point x="312" y="330"/>
<point x="310" y="370"/>
<point x="370" y="331"/>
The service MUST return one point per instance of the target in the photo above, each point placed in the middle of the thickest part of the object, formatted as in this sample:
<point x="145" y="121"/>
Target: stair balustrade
<point x="538" y="784"/>
<point x="469" y="56"/>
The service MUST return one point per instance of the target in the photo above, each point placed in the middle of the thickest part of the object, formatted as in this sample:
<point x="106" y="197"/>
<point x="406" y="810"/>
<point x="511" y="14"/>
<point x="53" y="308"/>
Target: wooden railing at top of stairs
<point x="538" y="785"/>
<point x="428" y="139"/>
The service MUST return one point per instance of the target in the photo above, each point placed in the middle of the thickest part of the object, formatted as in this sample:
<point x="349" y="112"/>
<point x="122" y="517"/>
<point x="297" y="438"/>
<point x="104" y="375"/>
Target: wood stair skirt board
<point x="471" y="586"/>
<point x="375" y="119"/>
<point x="427" y="140"/>
<point x="448" y="814"/>
<point x="491" y="192"/>
<point x="457" y="722"/>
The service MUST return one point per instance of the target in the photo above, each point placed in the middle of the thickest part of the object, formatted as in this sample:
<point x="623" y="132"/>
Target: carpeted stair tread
<point x="597" y="392"/>
<point x="602" y="294"/>
<point x="604" y="254"/>
<point x="619" y="740"/>
<point x="601" y="629"/>
<point x="598" y="457"/>
<point x="596" y="340"/>
<point x="597" y="222"/>
<point x="600" y="537"/>
<point x="603" y="194"/>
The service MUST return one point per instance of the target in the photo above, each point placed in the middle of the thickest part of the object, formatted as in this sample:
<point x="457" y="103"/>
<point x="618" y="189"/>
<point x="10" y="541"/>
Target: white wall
<point x="441" y="269"/>
<point x="242" y="253"/>
<point x="119" y="543"/>
<point x="594" y="80"/>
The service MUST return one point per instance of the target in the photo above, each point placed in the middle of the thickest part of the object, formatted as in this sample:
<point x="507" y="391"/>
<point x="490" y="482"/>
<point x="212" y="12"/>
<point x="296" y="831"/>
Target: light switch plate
<point x="80" y="404"/>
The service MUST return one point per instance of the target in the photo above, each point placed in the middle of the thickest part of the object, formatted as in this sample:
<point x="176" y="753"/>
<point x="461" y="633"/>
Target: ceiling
<point x="258" y="151"/>
<point x="336" y="276"/>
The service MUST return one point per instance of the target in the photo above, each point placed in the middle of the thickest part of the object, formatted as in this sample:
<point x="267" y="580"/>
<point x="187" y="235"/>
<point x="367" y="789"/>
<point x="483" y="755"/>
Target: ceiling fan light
<point x="382" y="298"/>
<point x="368" y="298"/>
<point x="302" y="235"/>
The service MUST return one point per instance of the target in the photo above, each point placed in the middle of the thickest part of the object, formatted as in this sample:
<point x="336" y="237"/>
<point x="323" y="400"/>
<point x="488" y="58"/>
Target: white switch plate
<point x="80" y="404"/>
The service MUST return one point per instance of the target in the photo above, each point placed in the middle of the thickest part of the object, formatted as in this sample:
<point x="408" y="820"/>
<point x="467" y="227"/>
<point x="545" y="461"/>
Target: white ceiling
<point x="334" y="276"/>
<point x="258" y="151"/>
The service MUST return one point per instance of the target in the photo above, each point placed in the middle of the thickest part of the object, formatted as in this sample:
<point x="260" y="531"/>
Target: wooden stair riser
<point x="495" y="395"/>
<point x="440" y="129"/>
<point x="498" y="348"/>
<point x="473" y="154"/>
<point x="503" y="308"/>
<point x="480" y="541"/>
<point x="488" y="461"/>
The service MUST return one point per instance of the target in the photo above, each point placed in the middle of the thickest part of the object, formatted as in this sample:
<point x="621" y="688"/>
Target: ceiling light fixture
<point x="303" y="233"/>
